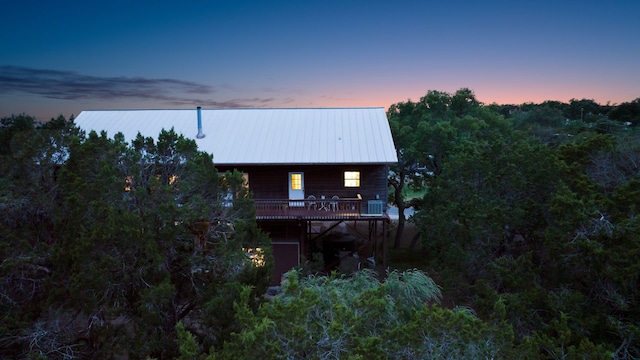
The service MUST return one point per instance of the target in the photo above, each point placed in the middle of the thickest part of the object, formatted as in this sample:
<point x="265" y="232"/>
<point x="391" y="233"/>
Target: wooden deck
<point x="319" y="209"/>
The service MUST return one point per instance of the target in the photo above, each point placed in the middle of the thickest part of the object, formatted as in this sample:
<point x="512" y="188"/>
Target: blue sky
<point x="62" y="57"/>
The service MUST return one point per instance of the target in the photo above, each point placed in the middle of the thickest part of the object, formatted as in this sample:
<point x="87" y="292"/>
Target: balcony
<point x="318" y="209"/>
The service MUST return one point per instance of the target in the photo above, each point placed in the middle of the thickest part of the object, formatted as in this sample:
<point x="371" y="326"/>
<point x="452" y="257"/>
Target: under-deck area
<point x="350" y="243"/>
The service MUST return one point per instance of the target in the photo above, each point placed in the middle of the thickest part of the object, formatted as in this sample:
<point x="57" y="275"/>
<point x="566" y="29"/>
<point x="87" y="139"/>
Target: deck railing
<point x="305" y="208"/>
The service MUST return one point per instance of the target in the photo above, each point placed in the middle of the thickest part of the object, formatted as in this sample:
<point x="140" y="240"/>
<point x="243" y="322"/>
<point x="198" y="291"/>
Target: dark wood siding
<point x="271" y="182"/>
<point x="283" y="230"/>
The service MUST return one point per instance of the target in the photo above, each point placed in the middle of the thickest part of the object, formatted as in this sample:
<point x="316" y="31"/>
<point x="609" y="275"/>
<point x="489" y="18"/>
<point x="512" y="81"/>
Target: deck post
<point x="303" y="243"/>
<point x="384" y="244"/>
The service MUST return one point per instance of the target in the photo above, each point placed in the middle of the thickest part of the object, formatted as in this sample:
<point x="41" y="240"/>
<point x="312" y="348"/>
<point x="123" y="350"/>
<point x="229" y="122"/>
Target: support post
<point x="384" y="244"/>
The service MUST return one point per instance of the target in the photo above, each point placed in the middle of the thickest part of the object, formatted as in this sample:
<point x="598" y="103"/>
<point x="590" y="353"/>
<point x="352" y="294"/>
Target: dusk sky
<point x="62" y="57"/>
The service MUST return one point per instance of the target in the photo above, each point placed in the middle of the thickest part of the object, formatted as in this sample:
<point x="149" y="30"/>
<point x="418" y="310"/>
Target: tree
<point x="125" y="242"/>
<point x="543" y="116"/>
<point x="463" y="102"/>
<point x="580" y="109"/>
<point x="13" y="125"/>
<point x="29" y="193"/>
<point x="408" y="127"/>
<point x="543" y="229"/>
<point x="424" y="133"/>
<point x="480" y="202"/>
<point x="627" y="112"/>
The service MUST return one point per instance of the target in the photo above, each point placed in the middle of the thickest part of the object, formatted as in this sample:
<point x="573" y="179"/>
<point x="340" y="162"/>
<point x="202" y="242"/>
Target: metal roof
<point x="263" y="136"/>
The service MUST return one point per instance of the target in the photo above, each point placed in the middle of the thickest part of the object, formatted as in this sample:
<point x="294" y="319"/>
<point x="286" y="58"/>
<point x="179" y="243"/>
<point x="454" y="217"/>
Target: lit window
<point x="352" y="179"/>
<point x="128" y="182"/>
<point x="172" y="180"/>
<point x="296" y="181"/>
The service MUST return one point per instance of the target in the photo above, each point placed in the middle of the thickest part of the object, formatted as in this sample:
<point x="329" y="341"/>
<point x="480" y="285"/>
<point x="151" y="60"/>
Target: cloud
<point x="69" y="85"/>
<point x="232" y="103"/>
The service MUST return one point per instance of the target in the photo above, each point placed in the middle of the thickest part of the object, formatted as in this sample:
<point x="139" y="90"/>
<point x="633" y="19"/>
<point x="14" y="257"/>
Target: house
<point x="309" y="170"/>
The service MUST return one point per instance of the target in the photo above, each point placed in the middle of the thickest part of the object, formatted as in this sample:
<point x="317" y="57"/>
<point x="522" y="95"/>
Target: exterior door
<point x="286" y="256"/>
<point x="296" y="188"/>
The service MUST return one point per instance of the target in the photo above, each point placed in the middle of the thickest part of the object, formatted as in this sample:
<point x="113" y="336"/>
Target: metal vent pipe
<point x="200" y="133"/>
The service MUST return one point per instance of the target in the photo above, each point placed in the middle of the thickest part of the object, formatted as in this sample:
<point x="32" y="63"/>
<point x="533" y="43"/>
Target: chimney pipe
<point x="200" y="133"/>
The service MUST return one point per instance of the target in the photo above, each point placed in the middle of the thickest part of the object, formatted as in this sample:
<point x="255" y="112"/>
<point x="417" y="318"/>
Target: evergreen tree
<point x="116" y="244"/>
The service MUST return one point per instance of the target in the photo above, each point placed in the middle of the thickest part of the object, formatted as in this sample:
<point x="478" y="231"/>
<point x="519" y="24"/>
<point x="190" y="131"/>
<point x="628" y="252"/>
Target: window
<point x="173" y="181"/>
<point x="296" y="181"/>
<point x="352" y="179"/>
<point x="128" y="183"/>
<point x="255" y="255"/>
<point x="246" y="179"/>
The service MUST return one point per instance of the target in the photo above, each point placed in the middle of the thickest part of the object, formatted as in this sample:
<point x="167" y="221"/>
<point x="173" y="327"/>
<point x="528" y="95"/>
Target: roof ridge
<point x="247" y="108"/>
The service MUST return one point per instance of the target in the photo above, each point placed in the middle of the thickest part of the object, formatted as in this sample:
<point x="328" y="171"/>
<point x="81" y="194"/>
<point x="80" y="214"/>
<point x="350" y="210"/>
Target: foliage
<point x="529" y="223"/>
<point x="108" y="246"/>
<point x="540" y="117"/>
<point x="628" y="112"/>
<point x="423" y="133"/>
<point x="545" y="224"/>
<point x="359" y="317"/>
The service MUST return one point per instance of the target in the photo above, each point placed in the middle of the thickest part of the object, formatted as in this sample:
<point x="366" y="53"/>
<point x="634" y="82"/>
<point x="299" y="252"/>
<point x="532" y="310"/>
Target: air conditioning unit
<point x="375" y="207"/>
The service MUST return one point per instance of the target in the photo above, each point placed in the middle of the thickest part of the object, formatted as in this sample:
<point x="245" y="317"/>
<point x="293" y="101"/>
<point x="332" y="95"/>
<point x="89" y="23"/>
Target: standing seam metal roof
<point x="263" y="136"/>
